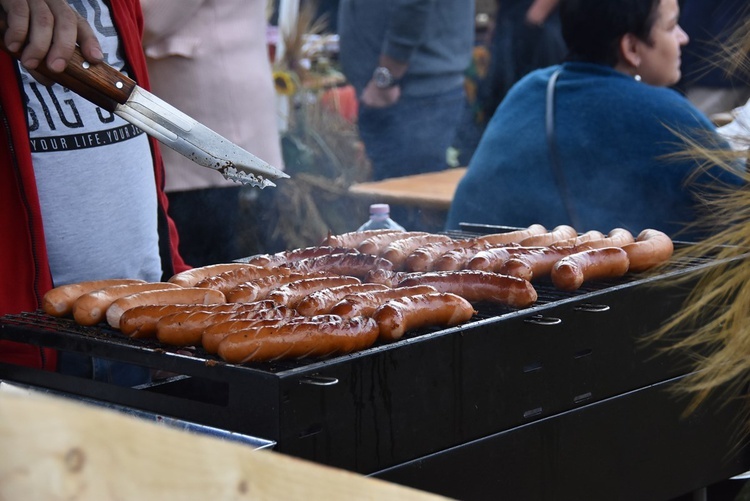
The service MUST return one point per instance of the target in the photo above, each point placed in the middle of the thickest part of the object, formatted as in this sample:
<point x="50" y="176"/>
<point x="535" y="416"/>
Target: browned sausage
<point x="377" y="244"/>
<point x="191" y="277"/>
<point x="570" y="272"/>
<point x="180" y="295"/>
<point x="356" y="265"/>
<point x="140" y="321"/>
<point x="558" y="233"/>
<point x="320" y="302"/>
<point x="513" y="237"/>
<point x="258" y="289"/>
<point x="615" y="238"/>
<point x="398" y="251"/>
<point x="493" y="258"/>
<point x="584" y="238"/>
<point x="385" y="277"/>
<point x="354" y="238"/>
<point x="215" y="333"/>
<point x="479" y="286"/>
<point x="186" y="328"/>
<point x="290" y="256"/>
<point x="651" y="248"/>
<point x="316" y="336"/>
<point x="398" y="316"/>
<point x="228" y="280"/>
<point x="422" y="258"/>
<point x="365" y="303"/>
<point x="536" y="263"/>
<point x="59" y="301"/>
<point x="90" y="308"/>
<point x="292" y="293"/>
<point x="458" y="259"/>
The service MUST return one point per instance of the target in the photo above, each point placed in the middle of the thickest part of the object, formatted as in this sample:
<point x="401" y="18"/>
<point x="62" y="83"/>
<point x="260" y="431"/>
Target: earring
<point x="637" y="78"/>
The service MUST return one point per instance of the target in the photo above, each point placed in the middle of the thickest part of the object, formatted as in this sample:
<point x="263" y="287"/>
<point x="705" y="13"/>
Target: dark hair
<point x="592" y="29"/>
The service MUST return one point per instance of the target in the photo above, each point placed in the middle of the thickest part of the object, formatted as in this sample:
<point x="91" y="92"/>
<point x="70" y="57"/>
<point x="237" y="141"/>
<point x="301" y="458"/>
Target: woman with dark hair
<point x="586" y="143"/>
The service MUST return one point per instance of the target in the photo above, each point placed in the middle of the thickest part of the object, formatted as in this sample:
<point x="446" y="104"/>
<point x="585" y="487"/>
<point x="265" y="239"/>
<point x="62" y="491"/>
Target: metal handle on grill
<point x="319" y="380"/>
<point x="542" y="320"/>
<point x="592" y="308"/>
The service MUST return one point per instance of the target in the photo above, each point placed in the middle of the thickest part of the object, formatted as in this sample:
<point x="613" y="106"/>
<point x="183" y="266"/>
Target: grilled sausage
<point x="615" y="238"/>
<point x="365" y="303"/>
<point x="291" y="256"/>
<point x="315" y="336"/>
<point x="90" y="308"/>
<point x="377" y="244"/>
<point x="191" y="277"/>
<point x="558" y="233"/>
<point x="398" y="316"/>
<point x="292" y="293"/>
<point x="512" y="237"/>
<point x="182" y="295"/>
<point x="320" y="302"/>
<point x="422" y="258"/>
<point x="584" y="238"/>
<point x="258" y="289"/>
<point x="186" y="328"/>
<point x="354" y="238"/>
<point x="385" y="277"/>
<point x="398" y="251"/>
<point x="458" y="259"/>
<point x="58" y="301"/>
<point x="216" y="332"/>
<point x="536" y="263"/>
<point x="493" y="258"/>
<point x="570" y="272"/>
<point x="651" y="248"/>
<point x="140" y="322"/>
<point x="479" y="286"/>
<point x="230" y="279"/>
<point x="356" y="265"/>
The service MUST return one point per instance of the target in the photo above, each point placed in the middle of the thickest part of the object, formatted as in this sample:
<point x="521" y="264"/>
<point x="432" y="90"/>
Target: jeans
<point x="117" y="373"/>
<point x="413" y="135"/>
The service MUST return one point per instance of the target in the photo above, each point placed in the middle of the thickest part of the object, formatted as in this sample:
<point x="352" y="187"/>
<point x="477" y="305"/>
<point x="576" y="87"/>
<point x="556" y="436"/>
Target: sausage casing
<point x="320" y="302"/>
<point x="180" y="295"/>
<point x="315" y="336"/>
<point x="479" y="286"/>
<point x="651" y="248"/>
<point x="59" y="301"/>
<point x="570" y="272"/>
<point x="397" y="316"/>
<point x="91" y="308"/>
<point x="365" y="303"/>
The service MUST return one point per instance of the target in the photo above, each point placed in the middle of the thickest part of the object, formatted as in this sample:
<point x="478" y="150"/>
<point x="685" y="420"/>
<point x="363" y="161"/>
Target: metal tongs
<point x="111" y="90"/>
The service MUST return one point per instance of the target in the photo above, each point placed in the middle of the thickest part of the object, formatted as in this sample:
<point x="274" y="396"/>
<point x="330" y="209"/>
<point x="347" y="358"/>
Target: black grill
<point x="492" y="409"/>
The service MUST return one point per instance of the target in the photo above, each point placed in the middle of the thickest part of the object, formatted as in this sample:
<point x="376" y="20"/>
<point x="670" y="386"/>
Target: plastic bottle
<point x="380" y="219"/>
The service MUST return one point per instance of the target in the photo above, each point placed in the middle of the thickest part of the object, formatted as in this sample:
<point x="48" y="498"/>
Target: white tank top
<point x="94" y="175"/>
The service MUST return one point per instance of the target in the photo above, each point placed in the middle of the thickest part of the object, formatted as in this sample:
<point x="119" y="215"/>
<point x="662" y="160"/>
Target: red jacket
<point x="24" y="269"/>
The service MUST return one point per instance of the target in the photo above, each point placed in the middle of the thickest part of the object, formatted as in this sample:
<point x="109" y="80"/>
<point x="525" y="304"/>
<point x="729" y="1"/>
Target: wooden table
<point x="433" y="190"/>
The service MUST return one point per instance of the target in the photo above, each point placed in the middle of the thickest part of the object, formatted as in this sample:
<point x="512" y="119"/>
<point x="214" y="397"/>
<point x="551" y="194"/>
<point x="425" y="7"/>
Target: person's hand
<point x="48" y="30"/>
<point x="375" y="97"/>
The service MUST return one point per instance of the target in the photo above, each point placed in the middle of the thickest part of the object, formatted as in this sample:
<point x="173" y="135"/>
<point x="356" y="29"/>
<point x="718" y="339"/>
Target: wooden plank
<point x="55" y="448"/>
<point x="430" y="190"/>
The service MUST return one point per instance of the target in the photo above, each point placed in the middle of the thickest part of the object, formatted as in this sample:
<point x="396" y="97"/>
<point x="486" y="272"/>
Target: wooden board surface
<point x="56" y="448"/>
<point x="431" y="190"/>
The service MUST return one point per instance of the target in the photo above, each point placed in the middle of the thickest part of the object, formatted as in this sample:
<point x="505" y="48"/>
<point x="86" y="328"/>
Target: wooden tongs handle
<point x="100" y="83"/>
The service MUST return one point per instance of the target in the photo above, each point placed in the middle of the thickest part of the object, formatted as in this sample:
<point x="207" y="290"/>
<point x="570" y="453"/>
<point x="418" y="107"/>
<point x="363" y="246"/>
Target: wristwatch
<point x="383" y="78"/>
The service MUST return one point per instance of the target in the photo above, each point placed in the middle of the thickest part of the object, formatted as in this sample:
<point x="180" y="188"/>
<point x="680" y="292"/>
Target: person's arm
<point x="404" y="33"/>
<point x="49" y="29"/>
<point x="539" y="11"/>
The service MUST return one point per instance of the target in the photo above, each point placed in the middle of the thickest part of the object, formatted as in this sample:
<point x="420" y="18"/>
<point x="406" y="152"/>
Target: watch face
<point x="382" y="77"/>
